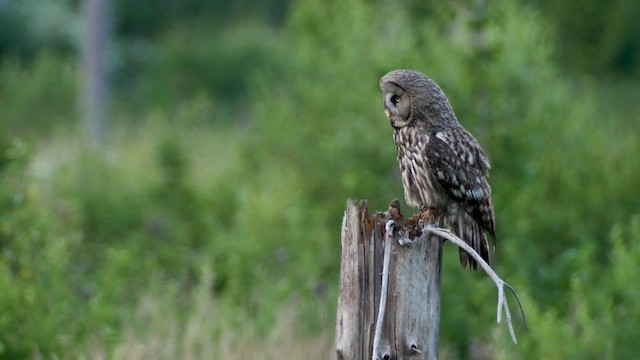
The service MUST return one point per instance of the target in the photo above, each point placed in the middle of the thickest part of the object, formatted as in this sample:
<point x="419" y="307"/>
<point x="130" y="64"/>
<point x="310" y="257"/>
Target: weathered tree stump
<point x="412" y="313"/>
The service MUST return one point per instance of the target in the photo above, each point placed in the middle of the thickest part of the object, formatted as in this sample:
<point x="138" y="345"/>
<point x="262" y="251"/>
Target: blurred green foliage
<point x="30" y="26"/>
<point x="238" y="135"/>
<point x="598" y="37"/>
<point x="39" y="95"/>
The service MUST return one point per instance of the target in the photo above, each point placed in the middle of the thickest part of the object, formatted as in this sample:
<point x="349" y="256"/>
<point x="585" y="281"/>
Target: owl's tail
<point x="467" y="228"/>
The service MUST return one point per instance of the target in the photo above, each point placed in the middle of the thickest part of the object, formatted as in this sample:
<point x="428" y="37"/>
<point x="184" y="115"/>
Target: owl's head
<point x="412" y="99"/>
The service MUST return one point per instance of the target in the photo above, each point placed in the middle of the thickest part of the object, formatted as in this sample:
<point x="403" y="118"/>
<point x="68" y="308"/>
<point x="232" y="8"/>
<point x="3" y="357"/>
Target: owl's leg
<point x="424" y="208"/>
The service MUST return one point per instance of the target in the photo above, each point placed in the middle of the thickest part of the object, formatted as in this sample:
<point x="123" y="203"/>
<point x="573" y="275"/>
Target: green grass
<point x="157" y="330"/>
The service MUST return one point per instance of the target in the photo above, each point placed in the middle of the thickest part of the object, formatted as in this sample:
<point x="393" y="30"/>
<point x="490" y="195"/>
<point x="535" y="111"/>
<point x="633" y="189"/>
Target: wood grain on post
<point x="412" y="315"/>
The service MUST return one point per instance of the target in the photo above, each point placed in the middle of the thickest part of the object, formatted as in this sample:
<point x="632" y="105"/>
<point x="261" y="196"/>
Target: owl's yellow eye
<point x="395" y="99"/>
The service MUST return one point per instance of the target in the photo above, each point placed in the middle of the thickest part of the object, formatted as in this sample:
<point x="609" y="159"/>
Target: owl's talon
<point x="403" y="240"/>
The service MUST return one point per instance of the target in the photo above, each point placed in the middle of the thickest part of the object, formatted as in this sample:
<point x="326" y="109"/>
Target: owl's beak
<point x="391" y="118"/>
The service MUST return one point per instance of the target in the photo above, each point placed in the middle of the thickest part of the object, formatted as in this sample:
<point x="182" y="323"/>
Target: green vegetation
<point x="207" y="224"/>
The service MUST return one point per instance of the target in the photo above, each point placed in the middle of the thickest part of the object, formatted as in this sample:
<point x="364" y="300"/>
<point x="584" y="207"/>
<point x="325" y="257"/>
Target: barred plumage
<point x="442" y="164"/>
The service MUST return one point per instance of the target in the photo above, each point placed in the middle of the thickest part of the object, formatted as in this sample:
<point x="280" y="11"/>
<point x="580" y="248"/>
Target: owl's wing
<point x="454" y="162"/>
<point x="461" y="167"/>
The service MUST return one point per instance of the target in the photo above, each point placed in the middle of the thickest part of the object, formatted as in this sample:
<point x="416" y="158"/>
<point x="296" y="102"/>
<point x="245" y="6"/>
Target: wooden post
<point x="412" y="316"/>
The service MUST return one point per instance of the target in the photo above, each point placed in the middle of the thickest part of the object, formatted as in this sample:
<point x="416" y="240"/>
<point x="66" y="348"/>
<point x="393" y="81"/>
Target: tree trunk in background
<point x="412" y="315"/>
<point x="94" y="98"/>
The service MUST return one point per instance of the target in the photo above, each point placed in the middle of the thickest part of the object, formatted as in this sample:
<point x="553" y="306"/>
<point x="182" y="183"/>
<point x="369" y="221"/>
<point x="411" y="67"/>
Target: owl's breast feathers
<point x="444" y="168"/>
<point x="421" y="188"/>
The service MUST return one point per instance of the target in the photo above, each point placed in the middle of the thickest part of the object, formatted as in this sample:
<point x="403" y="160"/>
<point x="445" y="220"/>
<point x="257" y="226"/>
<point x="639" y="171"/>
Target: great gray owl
<point x="442" y="164"/>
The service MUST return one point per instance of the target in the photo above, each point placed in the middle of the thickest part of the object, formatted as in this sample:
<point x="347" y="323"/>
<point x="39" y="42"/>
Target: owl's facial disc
<point x="397" y="105"/>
